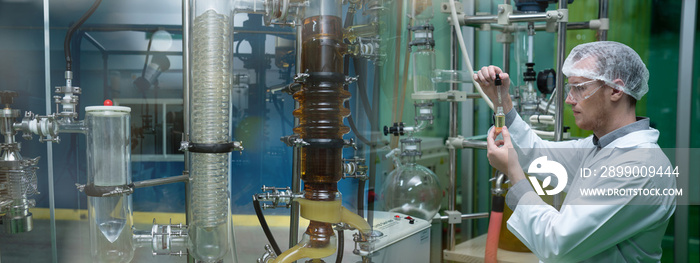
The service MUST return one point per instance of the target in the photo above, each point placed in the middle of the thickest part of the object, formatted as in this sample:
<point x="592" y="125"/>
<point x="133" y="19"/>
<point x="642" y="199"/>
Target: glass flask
<point x="414" y="190"/>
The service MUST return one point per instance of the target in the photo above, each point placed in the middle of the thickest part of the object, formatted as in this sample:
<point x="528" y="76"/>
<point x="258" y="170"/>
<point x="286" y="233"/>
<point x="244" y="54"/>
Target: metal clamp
<point x="44" y="126"/>
<point x="504" y="12"/>
<point x="355" y="168"/>
<point x="105" y="191"/>
<point x="453" y="217"/>
<point x="342" y="227"/>
<point x="350" y="143"/>
<point x="349" y="79"/>
<point x="268" y="256"/>
<point x="162" y="237"/>
<point x="294" y="141"/>
<point x="364" y="244"/>
<point x="301" y="77"/>
<point x="66" y="89"/>
<point x="279" y="197"/>
<point x="211" y="147"/>
<point x="554" y="17"/>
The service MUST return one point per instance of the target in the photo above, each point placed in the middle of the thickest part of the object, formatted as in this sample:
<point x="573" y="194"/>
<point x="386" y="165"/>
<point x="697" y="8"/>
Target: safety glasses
<point x="580" y="91"/>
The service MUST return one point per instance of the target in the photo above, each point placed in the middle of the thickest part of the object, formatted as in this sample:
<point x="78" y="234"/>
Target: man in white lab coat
<point x="605" y="80"/>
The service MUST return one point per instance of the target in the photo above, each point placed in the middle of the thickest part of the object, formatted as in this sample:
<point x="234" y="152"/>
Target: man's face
<point x="588" y="106"/>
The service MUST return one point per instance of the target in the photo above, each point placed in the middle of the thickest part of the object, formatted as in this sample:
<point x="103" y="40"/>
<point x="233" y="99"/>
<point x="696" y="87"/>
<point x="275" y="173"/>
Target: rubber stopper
<point x="108" y="103"/>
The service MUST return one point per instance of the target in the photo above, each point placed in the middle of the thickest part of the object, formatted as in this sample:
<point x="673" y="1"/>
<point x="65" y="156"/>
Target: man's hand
<point x="498" y="153"/>
<point x="486" y="77"/>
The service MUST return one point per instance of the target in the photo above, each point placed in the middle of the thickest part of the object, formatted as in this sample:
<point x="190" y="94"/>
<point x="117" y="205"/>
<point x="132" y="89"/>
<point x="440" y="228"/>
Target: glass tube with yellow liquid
<point x="500" y="117"/>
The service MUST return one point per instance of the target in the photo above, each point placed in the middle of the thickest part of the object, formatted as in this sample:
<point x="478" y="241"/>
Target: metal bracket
<point x="504" y="12"/>
<point x="504" y="37"/>
<point x="446" y="9"/>
<point x="604" y="23"/>
<point x="453" y="217"/>
<point x="451" y="96"/>
<point x="554" y="17"/>
<point x="455" y="142"/>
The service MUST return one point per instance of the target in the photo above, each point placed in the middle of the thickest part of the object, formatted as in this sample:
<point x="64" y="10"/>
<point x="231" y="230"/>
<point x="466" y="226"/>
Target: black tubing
<point x="148" y="50"/>
<point x="341" y="246"/>
<point x="265" y="227"/>
<point x="71" y="31"/>
<point x="361" y="198"/>
<point x="349" y="16"/>
<point x="359" y="136"/>
<point x="351" y="121"/>
<point x="498" y="203"/>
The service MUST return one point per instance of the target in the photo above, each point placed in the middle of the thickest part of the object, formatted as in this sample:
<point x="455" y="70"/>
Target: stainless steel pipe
<point x="464" y="216"/>
<point x="559" y="116"/>
<point x="603" y="14"/>
<point x="162" y="181"/>
<point x="514" y="18"/>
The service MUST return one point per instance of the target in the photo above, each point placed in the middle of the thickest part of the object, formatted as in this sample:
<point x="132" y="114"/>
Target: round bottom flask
<point x="414" y="190"/>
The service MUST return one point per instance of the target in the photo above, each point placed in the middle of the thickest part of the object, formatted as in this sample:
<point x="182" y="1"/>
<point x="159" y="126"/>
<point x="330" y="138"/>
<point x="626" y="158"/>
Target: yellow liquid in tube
<point x="355" y="221"/>
<point x="500" y="122"/>
<point x="302" y="251"/>
<point x="321" y="211"/>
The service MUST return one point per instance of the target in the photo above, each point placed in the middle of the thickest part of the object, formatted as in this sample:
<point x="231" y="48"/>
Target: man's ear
<point x="616" y="93"/>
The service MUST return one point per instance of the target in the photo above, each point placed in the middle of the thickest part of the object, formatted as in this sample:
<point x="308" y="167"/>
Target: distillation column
<point x="210" y="102"/>
<point x="321" y="114"/>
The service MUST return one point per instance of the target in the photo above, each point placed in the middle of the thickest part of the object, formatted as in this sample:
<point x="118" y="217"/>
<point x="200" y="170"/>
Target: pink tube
<point x="492" y="237"/>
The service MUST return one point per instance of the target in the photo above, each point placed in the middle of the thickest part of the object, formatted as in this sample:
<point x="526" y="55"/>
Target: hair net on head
<point x="608" y="61"/>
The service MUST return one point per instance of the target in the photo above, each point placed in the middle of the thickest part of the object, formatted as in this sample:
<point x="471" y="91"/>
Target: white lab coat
<point x="585" y="229"/>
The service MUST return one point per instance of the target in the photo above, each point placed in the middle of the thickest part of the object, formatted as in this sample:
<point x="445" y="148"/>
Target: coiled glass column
<point x="211" y="85"/>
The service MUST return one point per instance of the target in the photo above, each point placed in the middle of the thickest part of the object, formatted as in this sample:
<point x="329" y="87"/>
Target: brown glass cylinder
<point x="321" y="110"/>
<point x="320" y="234"/>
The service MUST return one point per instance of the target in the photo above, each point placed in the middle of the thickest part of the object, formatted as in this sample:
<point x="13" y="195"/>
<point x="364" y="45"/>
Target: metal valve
<point x="396" y="129"/>
<point x="499" y="179"/>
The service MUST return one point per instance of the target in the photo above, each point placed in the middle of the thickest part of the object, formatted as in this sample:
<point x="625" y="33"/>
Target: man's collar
<point x="642" y="123"/>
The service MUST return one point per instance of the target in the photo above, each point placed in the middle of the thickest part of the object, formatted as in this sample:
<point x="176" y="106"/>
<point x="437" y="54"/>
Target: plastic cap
<point x="108" y="103"/>
<point x="498" y="80"/>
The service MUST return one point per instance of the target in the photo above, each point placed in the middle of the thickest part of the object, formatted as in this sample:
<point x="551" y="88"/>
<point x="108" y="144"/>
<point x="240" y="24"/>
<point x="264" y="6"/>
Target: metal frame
<point x="683" y="118"/>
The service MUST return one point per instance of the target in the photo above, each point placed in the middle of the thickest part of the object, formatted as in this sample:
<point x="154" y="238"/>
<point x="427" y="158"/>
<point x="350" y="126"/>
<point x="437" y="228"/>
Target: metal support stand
<point x="561" y="50"/>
